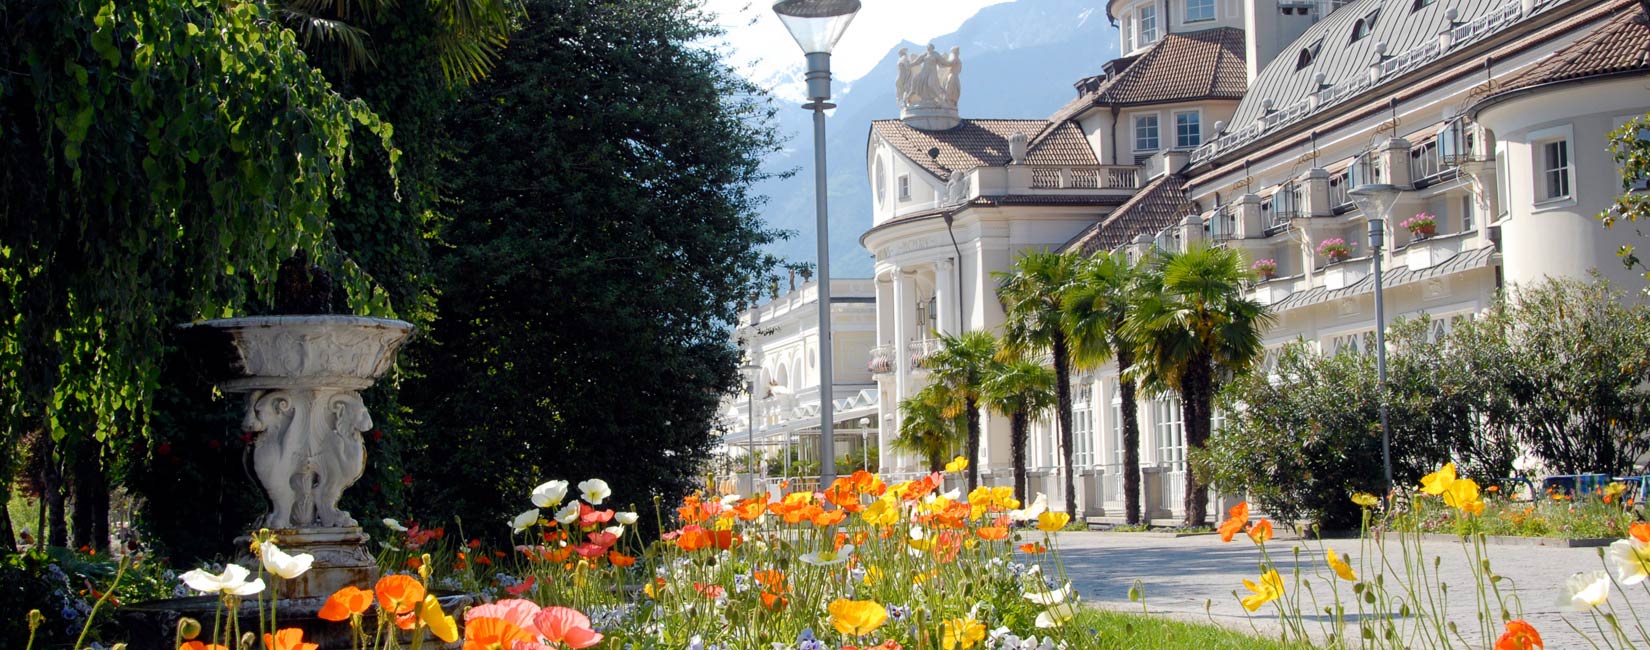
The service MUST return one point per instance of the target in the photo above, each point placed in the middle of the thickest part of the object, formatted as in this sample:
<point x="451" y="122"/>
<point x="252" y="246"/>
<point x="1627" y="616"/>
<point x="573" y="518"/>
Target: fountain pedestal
<point x="302" y="377"/>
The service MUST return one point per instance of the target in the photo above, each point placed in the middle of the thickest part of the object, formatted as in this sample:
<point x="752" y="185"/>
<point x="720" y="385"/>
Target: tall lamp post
<point x="865" y="443"/>
<point x="1375" y="201"/>
<point x="817" y="25"/>
<point x="752" y="373"/>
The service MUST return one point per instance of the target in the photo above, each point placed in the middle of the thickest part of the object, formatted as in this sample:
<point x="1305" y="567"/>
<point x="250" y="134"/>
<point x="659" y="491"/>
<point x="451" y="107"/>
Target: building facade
<point x="1246" y="123"/>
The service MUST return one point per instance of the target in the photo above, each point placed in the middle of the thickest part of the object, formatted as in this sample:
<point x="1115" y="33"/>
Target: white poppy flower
<point x="828" y="558"/>
<point x="394" y="525"/>
<point x="1630" y="559"/>
<point x="231" y="582"/>
<point x="1055" y="616"/>
<point x="550" y="495"/>
<point x="626" y="518"/>
<point x="278" y="562"/>
<point x="525" y="520"/>
<point x="1032" y="512"/>
<point x="595" y="491"/>
<point x="616" y="531"/>
<point x="1050" y="597"/>
<point x="569" y="514"/>
<point x="1584" y="591"/>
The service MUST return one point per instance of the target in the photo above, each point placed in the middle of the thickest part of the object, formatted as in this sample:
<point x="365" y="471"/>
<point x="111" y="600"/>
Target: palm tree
<point x="1020" y="389"/>
<point x="469" y="35"/>
<point x="1096" y="308"/>
<point x="924" y="429"/>
<point x="959" y="367"/>
<point x="1031" y="297"/>
<point x="1193" y="322"/>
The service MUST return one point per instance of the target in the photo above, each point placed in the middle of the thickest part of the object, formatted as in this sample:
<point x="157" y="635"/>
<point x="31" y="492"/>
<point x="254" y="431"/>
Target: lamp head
<point x="751" y="372"/>
<point x="816" y="24"/>
<point x="1375" y="201"/>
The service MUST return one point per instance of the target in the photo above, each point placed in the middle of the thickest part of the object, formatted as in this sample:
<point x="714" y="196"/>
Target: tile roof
<point x="1621" y="44"/>
<point x="1182" y="67"/>
<point x="1159" y="205"/>
<point x="977" y="143"/>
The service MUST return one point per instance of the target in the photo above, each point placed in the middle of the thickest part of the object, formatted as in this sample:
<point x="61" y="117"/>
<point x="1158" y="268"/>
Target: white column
<point x="947" y="295"/>
<point x="904" y="294"/>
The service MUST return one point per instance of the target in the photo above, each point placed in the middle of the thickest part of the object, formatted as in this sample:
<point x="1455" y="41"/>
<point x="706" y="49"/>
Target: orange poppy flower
<point x="992" y="533"/>
<point x="693" y="538"/>
<point x="772" y="579"/>
<point x="1519" y="636"/>
<point x="750" y="509"/>
<point x="523" y="586"/>
<point x="620" y="559"/>
<point x="1640" y="531"/>
<point x="1236" y="519"/>
<point x="1261" y="531"/>
<point x="287" y="639"/>
<point x="200" y="645"/>
<point x="774" y="602"/>
<point x="1033" y="548"/>
<point x="399" y="594"/>
<point x="494" y="634"/>
<point x="829" y="518"/>
<point x="344" y="603"/>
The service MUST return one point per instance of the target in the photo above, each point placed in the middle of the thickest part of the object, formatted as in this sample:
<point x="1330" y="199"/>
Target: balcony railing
<point x="1339" y="187"/>
<point x="1086" y="177"/>
<point x="882" y="360"/>
<point x="922" y="351"/>
<point x="1223" y="223"/>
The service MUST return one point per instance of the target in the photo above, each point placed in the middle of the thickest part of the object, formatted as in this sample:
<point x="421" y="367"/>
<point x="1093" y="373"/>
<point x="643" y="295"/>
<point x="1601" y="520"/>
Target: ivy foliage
<point x="601" y="233"/>
<point x="159" y="159"/>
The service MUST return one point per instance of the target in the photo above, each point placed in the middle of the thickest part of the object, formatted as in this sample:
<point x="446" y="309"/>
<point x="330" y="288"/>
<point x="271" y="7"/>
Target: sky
<point x="764" y="52"/>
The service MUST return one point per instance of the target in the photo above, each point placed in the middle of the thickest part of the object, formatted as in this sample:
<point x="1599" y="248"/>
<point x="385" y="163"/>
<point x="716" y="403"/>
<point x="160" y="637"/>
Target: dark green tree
<point x="1032" y="296"/>
<point x="924" y="429"/>
<point x="601" y="234"/>
<point x="1096" y="309"/>
<point x="1192" y="325"/>
<point x="159" y="159"/>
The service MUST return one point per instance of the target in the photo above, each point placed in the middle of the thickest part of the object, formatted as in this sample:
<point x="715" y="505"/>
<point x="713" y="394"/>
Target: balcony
<point x="1034" y="180"/>
<point x="1345" y="274"/>
<point x="882" y="360"/>
<point x="1222" y="223"/>
<point x="921" y="351"/>
<point x="1425" y="253"/>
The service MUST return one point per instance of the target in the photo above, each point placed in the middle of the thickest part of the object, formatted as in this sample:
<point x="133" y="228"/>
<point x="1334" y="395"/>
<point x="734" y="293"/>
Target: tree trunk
<point x="8" y="537"/>
<point x="1196" y="405"/>
<point x="1017" y="427"/>
<point x="90" y="511"/>
<point x="1062" y="391"/>
<point x="936" y="463"/>
<point x="973" y="443"/>
<point x="1131" y="441"/>
<point x="51" y="480"/>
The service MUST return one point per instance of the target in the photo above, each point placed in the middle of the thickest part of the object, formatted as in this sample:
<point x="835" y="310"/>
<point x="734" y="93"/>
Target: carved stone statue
<point x="929" y="87"/>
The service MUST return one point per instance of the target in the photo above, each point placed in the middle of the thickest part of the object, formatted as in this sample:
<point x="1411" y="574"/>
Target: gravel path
<point x="1182" y="574"/>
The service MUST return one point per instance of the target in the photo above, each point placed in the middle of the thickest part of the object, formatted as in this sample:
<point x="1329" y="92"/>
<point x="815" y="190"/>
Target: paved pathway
<point x="1181" y="574"/>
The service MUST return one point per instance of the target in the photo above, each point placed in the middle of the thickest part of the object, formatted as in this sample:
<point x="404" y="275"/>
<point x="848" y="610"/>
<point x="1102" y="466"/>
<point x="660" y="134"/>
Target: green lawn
<point x="1134" y="630"/>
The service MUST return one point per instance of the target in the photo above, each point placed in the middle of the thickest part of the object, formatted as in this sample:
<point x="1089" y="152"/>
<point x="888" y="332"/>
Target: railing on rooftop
<point x="1456" y="38"/>
<point x="1085" y="177"/>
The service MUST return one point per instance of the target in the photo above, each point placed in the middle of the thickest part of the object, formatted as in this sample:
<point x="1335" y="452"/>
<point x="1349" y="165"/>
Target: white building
<point x="1245" y="122"/>
<point x="781" y="336"/>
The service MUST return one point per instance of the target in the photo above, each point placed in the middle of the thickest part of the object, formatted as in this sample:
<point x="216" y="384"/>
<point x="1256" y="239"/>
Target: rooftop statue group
<point x="929" y="79"/>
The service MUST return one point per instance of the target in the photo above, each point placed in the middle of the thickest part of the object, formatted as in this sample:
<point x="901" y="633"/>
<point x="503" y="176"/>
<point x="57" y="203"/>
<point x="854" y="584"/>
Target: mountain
<point x="1020" y="60"/>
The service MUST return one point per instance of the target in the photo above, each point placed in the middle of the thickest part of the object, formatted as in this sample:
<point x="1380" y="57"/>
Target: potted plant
<point x="1421" y="226"/>
<point x="1266" y="268"/>
<point x="1335" y="249"/>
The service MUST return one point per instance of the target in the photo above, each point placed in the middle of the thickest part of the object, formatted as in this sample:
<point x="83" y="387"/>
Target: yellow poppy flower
<point x="1341" y="568"/>
<point x="442" y="625"/>
<point x="1052" y="521"/>
<point x="1462" y="494"/>
<point x="857" y="617"/>
<point x="1437" y="482"/>
<point x="962" y="633"/>
<point x="882" y="512"/>
<point x="957" y="464"/>
<point x="1269" y="589"/>
<point x="1365" y="499"/>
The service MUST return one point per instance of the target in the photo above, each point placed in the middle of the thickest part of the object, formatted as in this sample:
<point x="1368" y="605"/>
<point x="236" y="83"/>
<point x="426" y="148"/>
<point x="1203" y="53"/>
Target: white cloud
<point x="764" y="52"/>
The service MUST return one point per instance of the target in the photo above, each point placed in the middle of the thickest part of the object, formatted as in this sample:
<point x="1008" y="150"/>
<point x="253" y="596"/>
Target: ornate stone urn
<point x="302" y="377"/>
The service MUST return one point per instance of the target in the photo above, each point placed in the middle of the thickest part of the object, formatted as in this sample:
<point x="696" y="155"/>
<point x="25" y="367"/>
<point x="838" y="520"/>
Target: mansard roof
<point x="1159" y="205"/>
<point x="978" y="143"/>
<point x="1620" y="45"/>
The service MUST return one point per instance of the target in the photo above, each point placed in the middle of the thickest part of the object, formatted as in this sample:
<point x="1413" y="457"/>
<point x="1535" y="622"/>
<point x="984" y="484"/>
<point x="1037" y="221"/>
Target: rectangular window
<point x="1555" y="170"/>
<point x="1200" y="10"/>
<point x="1148" y="25"/>
<point x="1469" y="222"/>
<point x="1188" y="130"/>
<point x="904" y="187"/>
<point x="1128" y="32"/>
<point x="1082" y="427"/>
<point x="1116" y="425"/>
<point x="1145" y="133"/>
<point x="1171" y="432"/>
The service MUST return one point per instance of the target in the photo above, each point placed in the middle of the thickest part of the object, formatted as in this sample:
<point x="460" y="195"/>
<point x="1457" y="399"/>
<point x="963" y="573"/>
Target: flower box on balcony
<point x="1340" y="276"/>
<point x="1431" y="252"/>
<point x="1336" y="250"/>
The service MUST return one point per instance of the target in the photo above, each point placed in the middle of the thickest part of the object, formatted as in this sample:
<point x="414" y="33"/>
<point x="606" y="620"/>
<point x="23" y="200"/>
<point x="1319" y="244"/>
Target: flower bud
<point x="248" y="641"/>
<point x="189" y="628"/>
<point x="35" y="619"/>
<point x="424" y="567"/>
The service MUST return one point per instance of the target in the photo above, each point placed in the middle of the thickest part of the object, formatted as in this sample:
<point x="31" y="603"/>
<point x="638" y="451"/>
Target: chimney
<point x="1271" y="25"/>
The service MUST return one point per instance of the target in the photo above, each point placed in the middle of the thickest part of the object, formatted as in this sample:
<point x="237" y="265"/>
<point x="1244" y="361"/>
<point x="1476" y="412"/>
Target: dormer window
<point x="1200" y="10"/>
<point x="1365" y="25"/>
<point x="1148" y="25"/>
<point x="1309" y="54"/>
<point x="1418" y="5"/>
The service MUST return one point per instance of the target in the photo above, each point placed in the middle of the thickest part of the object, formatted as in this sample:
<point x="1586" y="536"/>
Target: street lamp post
<point x="1375" y="202"/>
<point x="817" y="25"/>
<point x="752" y="373"/>
<point x="865" y="443"/>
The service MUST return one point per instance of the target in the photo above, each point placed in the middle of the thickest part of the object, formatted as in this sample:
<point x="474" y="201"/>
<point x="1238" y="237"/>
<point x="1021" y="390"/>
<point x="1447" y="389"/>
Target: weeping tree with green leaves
<point x="1021" y="389"/>
<point x="1096" y="310"/>
<point x="1032" y="295"/>
<point x="159" y="159"/>
<point x="924" y="428"/>
<point x="1192" y="325"/>
<point x="959" y="369"/>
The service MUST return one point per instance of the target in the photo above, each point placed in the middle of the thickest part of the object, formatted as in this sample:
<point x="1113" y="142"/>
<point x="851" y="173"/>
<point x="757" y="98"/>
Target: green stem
<point x="80" y="642"/>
